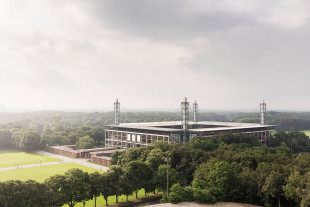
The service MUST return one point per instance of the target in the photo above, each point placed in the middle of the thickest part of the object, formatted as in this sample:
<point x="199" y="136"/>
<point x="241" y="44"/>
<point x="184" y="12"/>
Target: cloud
<point x="226" y="54"/>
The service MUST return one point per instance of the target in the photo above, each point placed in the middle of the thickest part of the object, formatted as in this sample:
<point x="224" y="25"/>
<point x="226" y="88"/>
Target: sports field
<point x="11" y="158"/>
<point x="41" y="173"/>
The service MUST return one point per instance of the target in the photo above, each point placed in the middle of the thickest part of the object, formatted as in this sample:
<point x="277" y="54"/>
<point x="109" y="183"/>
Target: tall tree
<point x="161" y="177"/>
<point x="77" y="186"/>
<point x="106" y="187"/>
<point x="56" y="189"/>
<point x="26" y="139"/>
<point x="140" y="173"/>
<point x="95" y="186"/>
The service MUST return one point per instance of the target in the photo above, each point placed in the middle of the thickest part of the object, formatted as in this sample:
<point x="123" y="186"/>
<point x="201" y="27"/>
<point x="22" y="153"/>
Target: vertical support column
<point x="184" y="107"/>
<point x="195" y="109"/>
<point x="116" y="112"/>
<point x="106" y="137"/>
<point x="262" y="113"/>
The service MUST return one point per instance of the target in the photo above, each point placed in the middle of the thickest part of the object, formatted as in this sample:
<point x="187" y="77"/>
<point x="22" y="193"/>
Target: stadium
<point x="129" y="135"/>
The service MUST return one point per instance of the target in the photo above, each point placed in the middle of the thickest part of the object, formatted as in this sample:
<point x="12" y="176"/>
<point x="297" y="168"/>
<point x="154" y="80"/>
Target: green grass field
<point x="9" y="158"/>
<point x="307" y="132"/>
<point x="41" y="173"/>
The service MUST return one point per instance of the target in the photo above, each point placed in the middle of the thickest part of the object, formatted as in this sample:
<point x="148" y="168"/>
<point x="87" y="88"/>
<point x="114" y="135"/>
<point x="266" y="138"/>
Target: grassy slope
<point x="9" y="157"/>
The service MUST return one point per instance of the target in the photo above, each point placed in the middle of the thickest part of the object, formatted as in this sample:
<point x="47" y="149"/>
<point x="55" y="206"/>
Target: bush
<point x="188" y="194"/>
<point x="178" y="194"/>
<point x="203" y="196"/>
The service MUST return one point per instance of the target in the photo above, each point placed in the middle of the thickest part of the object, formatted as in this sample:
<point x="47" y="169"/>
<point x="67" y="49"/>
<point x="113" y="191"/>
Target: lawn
<point x="307" y="132"/>
<point x="41" y="173"/>
<point x="10" y="158"/>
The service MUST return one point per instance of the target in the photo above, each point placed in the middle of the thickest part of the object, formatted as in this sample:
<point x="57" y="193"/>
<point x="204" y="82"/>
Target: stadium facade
<point x="129" y="135"/>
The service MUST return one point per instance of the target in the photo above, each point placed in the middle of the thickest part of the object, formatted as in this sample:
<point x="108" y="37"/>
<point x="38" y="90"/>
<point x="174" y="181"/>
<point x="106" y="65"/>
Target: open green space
<point x="41" y="173"/>
<point x="307" y="132"/>
<point x="10" y="158"/>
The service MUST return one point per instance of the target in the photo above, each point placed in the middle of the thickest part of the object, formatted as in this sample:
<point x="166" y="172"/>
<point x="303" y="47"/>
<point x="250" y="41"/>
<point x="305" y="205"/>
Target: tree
<point x="115" y="156"/>
<point x="113" y="175"/>
<point x="298" y="188"/>
<point x="155" y="158"/>
<point x="218" y="178"/>
<point x="77" y="186"/>
<point x="248" y="185"/>
<point x="5" y="138"/>
<point x="85" y="142"/>
<point x="35" y="194"/>
<point x="106" y="186"/>
<point x="140" y="174"/>
<point x="161" y="177"/>
<point x="304" y="191"/>
<point x="97" y="133"/>
<point x="95" y="185"/>
<point x="273" y="185"/>
<point x="55" y="185"/>
<point x="126" y="184"/>
<point x="26" y="139"/>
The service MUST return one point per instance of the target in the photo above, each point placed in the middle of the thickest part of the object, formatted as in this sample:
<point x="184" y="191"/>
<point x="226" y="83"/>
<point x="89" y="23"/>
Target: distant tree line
<point x="289" y="121"/>
<point x="60" y="128"/>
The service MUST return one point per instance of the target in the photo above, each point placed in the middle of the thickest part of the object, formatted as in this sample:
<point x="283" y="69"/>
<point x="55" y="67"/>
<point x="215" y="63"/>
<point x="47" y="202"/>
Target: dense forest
<point x="230" y="168"/>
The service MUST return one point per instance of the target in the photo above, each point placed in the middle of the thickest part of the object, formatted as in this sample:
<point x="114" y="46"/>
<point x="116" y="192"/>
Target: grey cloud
<point x="168" y="20"/>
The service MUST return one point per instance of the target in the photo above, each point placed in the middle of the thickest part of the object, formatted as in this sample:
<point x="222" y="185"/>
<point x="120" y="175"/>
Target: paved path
<point x="79" y="161"/>
<point x="29" y="166"/>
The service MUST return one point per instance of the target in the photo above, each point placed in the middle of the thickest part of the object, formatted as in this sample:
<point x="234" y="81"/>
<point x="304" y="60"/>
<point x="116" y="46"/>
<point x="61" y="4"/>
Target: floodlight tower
<point x="195" y="109"/>
<point x="185" y="119"/>
<point x="116" y="112"/>
<point x="263" y="113"/>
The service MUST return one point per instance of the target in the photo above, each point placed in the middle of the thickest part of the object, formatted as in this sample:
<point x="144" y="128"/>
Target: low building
<point x="104" y="157"/>
<point x="71" y="151"/>
<point x="100" y="156"/>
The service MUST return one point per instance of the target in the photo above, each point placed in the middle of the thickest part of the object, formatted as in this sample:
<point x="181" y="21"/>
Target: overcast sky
<point x="82" y="54"/>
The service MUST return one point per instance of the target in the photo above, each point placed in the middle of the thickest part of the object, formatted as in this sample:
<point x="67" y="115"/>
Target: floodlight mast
<point x="195" y="109"/>
<point x="116" y="112"/>
<point x="263" y="113"/>
<point x="185" y="119"/>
